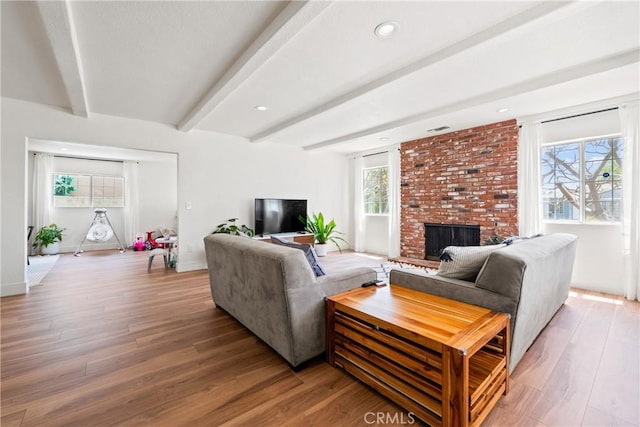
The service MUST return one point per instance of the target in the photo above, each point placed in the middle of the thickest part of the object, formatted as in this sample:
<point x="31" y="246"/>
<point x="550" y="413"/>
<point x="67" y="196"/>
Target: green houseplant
<point x="323" y="232"/>
<point x="494" y="239"/>
<point x="48" y="238"/>
<point x="230" y="227"/>
<point x="63" y="185"/>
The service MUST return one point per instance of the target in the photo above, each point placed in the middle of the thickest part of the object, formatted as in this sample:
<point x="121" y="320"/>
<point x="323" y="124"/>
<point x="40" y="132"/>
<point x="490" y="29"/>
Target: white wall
<point x="598" y="264"/>
<point x="158" y="195"/>
<point x="377" y="234"/>
<point x="587" y="126"/>
<point x="218" y="174"/>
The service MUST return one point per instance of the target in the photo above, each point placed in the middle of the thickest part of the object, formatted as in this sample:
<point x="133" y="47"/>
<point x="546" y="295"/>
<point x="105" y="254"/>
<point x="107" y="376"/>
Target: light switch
<point x="187" y="205"/>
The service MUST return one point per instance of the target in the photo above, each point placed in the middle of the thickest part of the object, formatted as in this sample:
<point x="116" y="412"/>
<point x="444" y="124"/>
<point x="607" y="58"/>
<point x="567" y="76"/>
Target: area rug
<point x="386" y="267"/>
<point x="38" y="268"/>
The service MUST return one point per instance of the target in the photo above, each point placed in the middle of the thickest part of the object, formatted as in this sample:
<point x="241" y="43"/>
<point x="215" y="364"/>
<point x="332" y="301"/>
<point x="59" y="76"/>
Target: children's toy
<point x="151" y="242"/>
<point x="173" y="256"/>
<point x="138" y="245"/>
<point x="100" y="230"/>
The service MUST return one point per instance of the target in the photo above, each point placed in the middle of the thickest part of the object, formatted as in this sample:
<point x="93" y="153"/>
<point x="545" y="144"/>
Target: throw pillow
<point x="464" y="262"/>
<point x="309" y="253"/>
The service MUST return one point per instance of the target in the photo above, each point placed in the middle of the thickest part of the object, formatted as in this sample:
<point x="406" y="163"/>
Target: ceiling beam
<point x="628" y="57"/>
<point x="58" y="21"/>
<point x="508" y="25"/>
<point x="287" y="24"/>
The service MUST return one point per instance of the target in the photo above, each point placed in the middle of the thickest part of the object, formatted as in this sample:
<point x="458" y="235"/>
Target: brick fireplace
<point x="468" y="177"/>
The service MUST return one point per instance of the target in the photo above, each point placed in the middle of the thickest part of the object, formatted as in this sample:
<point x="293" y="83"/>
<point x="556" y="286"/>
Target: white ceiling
<point x="327" y="80"/>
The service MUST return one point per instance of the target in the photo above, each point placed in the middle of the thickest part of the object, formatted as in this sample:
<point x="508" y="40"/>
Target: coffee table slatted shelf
<point x="415" y="348"/>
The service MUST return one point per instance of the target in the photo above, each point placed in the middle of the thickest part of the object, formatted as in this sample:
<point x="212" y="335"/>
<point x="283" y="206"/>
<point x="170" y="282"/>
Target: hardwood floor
<point x="103" y="342"/>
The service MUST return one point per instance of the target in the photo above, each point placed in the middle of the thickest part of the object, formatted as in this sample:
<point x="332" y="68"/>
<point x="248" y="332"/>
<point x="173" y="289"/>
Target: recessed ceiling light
<point x="261" y="108"/>
<point x="63" y="149"/>
<point x="385" y="29"/>
<point x="502" y="110"/>
<point x="384" y="138"/>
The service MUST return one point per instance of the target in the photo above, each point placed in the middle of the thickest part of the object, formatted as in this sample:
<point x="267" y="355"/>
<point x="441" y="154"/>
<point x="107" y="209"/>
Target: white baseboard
<point x="8" y="289"/>
<point x="190" y="266"/>
<point x="90" y="247"/>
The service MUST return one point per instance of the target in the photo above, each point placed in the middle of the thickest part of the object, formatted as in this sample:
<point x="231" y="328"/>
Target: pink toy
<point x="138" y="245"/>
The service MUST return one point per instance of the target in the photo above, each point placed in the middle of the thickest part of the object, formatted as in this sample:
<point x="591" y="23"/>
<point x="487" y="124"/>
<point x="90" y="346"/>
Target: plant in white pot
<point x="48" y="239"/>
<point x="323" y="232"/>
<point x="230" y="227"/>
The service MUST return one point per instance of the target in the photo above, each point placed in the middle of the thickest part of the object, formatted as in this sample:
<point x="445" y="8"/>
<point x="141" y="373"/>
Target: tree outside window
<point x="76" y="190"/>
<point x="375" y="190"/>
<point x="581" y="181"/>
<point x="63" y="185"/>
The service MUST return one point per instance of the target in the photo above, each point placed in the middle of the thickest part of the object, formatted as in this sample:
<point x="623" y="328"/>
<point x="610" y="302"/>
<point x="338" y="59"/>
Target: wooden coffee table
<point x="443" y="360"/>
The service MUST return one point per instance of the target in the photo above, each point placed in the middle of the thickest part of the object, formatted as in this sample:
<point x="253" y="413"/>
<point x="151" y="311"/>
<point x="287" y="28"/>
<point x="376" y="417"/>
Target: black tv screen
<point x="279" y="215"/>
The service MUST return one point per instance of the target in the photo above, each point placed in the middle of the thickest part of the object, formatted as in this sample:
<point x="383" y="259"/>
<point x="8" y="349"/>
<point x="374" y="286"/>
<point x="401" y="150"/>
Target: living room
<point x="288" y="106"/>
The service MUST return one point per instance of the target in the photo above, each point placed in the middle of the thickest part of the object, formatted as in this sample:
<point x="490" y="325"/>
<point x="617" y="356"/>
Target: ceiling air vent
<point x="438" y="129"/>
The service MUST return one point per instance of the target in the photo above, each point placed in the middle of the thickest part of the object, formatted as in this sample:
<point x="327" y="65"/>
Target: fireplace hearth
<point x="439" y="236"/>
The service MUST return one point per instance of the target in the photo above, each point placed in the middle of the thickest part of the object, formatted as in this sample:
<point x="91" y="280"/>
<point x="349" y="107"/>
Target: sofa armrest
<point x="502" y="273"/>
<point x="345" y="280"/>
<point x="454" y="289"/>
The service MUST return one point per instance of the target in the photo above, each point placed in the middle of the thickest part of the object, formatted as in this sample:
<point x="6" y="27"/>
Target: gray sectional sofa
<point x="528" y="280"/>
<point x="273" y="291"/>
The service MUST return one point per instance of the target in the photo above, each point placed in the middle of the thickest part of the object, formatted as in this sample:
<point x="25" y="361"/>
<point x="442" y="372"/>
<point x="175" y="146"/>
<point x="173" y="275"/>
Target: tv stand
<point x="298" y="237"/>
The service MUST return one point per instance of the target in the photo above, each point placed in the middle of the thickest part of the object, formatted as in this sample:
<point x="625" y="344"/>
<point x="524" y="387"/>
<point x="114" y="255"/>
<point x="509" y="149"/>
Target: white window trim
<point x="363" y="207"/>
<point x="580" y="221"/>
<point x="53" y="203"/>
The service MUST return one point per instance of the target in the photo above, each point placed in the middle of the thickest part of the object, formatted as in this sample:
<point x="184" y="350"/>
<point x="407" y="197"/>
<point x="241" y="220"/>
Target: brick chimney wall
<point x="464" y="177"/>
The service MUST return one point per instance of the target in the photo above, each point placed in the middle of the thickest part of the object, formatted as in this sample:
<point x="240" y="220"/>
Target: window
<point x="107" y="191"/>
<point x="581" y="180"/>
<point x="375" y="190"/>
<point x="77" y="190"/>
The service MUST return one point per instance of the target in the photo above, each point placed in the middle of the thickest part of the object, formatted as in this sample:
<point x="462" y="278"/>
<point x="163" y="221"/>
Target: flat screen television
<point x="279" y="216"/>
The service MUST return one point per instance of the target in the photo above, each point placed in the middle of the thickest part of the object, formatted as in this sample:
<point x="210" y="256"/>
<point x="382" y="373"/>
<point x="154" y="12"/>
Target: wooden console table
<point x="296" y="237"/>
<point x="443" y="360"/>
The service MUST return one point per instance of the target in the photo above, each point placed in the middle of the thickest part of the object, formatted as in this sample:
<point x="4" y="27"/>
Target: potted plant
<point x="323" y="232"/>
<point x="230" y="227"/>
<point x="48" y="239"/>
<point x="494" y="239"/>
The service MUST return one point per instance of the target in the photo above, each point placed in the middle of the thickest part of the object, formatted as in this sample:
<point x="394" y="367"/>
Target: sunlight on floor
<point x="596" y="298"/>
<point x="363" y="255"/>
<point x="38" y="268"/>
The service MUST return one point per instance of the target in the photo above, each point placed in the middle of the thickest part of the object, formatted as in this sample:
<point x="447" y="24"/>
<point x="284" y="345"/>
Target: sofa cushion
<point x="308" y="250"/>
<point x="464" y="262"/>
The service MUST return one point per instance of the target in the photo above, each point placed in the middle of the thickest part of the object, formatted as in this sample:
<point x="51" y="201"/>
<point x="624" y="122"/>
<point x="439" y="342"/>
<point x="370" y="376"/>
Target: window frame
<point x="91" y="195"/>
<point x="582" y="220"/>
<point x="364" y="204"/>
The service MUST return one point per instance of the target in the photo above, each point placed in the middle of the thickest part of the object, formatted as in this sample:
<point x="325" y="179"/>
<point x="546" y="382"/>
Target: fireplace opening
<point x="439" y="236"/>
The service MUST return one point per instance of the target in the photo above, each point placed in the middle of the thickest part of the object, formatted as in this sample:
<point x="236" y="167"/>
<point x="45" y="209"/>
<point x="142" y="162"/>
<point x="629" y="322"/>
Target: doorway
<point x="92" y="175"/>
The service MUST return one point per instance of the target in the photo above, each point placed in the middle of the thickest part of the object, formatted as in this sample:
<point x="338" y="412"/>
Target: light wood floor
<point x="102" y="342"/>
